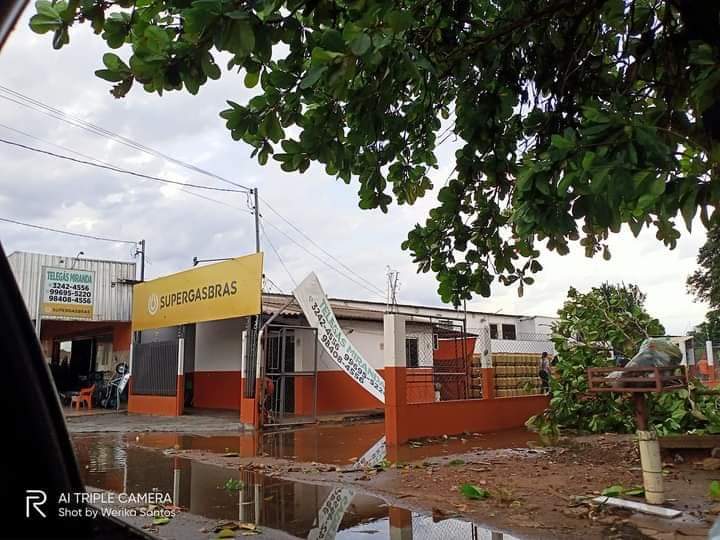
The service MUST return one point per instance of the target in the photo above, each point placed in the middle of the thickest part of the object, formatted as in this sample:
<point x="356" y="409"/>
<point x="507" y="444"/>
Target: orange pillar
<point x="395" y="405"/>
<point x="488" y="383"/>
<point x="250" y="407"/>
<point x="400" y="523"/>
<point x="395" y="379"/>
<point x="180" y="395"/>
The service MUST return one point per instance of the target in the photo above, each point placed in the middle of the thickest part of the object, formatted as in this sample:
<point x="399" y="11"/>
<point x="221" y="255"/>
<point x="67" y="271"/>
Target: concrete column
<point x="710" y="355"/>
<point x="180" y="385"/>
<point x="394" y="352"/>
<point x="484" y="347"/>
<point x="395" y="387"/>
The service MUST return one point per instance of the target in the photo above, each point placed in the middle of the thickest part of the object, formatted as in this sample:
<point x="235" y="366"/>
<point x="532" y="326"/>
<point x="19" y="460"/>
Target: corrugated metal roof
<point x="113" y="299"/>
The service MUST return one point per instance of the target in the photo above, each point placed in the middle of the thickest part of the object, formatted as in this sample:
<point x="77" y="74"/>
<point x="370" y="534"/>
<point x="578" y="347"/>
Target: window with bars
<point x="508" y="331"/>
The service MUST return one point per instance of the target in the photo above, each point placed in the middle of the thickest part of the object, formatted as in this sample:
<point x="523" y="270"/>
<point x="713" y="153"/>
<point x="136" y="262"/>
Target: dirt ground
<point x="533" y="492"/>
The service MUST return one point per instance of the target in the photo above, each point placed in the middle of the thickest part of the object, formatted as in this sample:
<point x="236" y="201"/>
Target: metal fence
<point x="155" y="368"/>
<point x="250" y="353"/>
<point x="290" y="392"/>
<point x="440" y="362"/>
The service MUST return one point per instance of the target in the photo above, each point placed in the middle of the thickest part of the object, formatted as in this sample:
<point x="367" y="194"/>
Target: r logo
<point x="35" y="498"/>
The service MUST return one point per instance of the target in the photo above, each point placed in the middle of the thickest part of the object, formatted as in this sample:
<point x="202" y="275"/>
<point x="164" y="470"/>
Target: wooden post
<point x="640" y="411"/>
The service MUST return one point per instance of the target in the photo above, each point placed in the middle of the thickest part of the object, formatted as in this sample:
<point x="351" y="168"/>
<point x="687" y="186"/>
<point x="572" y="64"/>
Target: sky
<point x="178" y="226"/>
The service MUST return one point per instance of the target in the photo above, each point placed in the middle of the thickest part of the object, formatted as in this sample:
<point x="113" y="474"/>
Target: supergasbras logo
<point x="153" y="304"/>
<point x="192" y="295"/>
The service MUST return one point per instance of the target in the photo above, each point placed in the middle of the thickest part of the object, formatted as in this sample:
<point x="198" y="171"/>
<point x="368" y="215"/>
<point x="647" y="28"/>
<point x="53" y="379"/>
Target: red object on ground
<point x="84" y="397"/>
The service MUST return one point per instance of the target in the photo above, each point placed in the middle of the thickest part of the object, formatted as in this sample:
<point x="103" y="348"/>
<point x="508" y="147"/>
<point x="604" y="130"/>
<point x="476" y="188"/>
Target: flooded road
<point x="331" y="444"/>
<point x="280" y="508"/>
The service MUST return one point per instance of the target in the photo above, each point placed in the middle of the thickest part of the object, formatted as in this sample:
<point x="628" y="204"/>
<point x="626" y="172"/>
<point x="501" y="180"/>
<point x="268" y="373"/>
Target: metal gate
<point x="155" y="368"/>
<point x="290" y="391"/>
<point x="439" y="357"/>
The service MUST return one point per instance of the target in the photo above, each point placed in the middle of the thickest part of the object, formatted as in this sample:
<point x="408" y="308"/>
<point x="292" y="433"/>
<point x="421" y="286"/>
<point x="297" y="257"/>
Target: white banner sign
<point x="319" y="314"/>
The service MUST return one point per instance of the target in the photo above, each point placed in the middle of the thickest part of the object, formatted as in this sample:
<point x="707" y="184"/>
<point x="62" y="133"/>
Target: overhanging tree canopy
<point x="573" y="116"/>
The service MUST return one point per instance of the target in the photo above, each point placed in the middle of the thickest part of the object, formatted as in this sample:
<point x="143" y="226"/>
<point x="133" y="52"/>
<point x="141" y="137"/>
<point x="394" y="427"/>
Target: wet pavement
<point x="122" y="422"/>
<point x="330" y="444"/>
<point x="210" y="494"/>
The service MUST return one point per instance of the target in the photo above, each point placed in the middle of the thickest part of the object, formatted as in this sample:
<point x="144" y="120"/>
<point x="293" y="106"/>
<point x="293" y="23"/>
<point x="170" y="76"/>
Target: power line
<point x="44" y="141"/>
<point x="117" y="169"/>
<point x="330" y="266"/>
<point x="53" y="112"/>
<point x="277" y="254"/>
<point x="216" y="201"/>
<point x="271" y="282"/>
<point x="69" y="233"/>
<point x="293" y="240"/>
<point x="376" y="289"/>
<point x="56" y="145"/>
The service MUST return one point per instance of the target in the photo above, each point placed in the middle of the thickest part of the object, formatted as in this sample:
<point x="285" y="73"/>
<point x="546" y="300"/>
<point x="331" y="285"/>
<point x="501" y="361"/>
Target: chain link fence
<point x="440" y="360"/>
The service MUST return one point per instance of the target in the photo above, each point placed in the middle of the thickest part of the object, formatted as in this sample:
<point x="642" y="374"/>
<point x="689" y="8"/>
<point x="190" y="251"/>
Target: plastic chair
<point x="84" y="396"/>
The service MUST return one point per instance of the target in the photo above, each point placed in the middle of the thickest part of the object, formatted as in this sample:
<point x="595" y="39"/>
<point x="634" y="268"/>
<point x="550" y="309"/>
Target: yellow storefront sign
<point x="218" y="291"/>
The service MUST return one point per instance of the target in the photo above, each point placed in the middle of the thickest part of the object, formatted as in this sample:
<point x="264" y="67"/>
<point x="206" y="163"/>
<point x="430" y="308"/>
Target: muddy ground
<point x="533" y="492"/>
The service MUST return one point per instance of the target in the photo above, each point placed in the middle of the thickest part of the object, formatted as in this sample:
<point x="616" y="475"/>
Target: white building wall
<point x="218" y="345"/>
<point x="367" y="337"/>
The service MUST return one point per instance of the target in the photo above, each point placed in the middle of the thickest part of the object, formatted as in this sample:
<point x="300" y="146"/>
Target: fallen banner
<point x="336" y="504"/>
<point x="319" y="314"/>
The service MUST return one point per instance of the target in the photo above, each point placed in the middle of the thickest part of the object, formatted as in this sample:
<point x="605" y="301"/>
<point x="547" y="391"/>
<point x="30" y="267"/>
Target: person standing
<point x="545" y="373"/>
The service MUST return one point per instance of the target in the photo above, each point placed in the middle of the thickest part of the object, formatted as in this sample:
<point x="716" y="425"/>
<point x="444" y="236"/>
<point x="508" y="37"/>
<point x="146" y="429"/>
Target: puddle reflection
<point x="279" y="507"/>
<point x="332" y="445"/>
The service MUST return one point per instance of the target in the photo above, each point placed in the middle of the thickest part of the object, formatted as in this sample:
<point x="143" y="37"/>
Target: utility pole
<point x="141" y="251"/>
<point x="257" y="221"/>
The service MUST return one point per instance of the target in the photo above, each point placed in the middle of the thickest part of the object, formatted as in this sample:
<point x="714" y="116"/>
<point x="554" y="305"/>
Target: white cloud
<point x="178" y="226"/>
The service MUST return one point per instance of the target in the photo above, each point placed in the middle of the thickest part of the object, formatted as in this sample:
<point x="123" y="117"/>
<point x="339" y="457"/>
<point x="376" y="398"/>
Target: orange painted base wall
<point x="337" y="392"/>
<point x="217" y="389"/>
<point x="158" y="405"/>
<point x="454" y="417"/>
<point x="155" y="405"/>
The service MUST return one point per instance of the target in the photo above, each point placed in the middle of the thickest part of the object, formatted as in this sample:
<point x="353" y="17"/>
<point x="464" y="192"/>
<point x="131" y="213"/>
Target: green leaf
<point x="209" y="67"/>
<point x="558" y="141"/>
<point x="638" y="491"/>
<point x="714" y="490"/>
<point x="161" y="521"/>
<point x="473" y="492"/>
<point x="613" y="491"/>
<point x="252" y="78"/>
<point x="225" y="533"/>
<point x="689" y="209"/>
<point x="41" y="24"/>
<point x="113" y="62"/>
<point x="109" y="75"/>
<point x="271" y="127"/>
<point x="360" y="45"/>
<point x="399" y="20"/>
<point x="322" y="56"/>
<point x="312" y="77"/>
